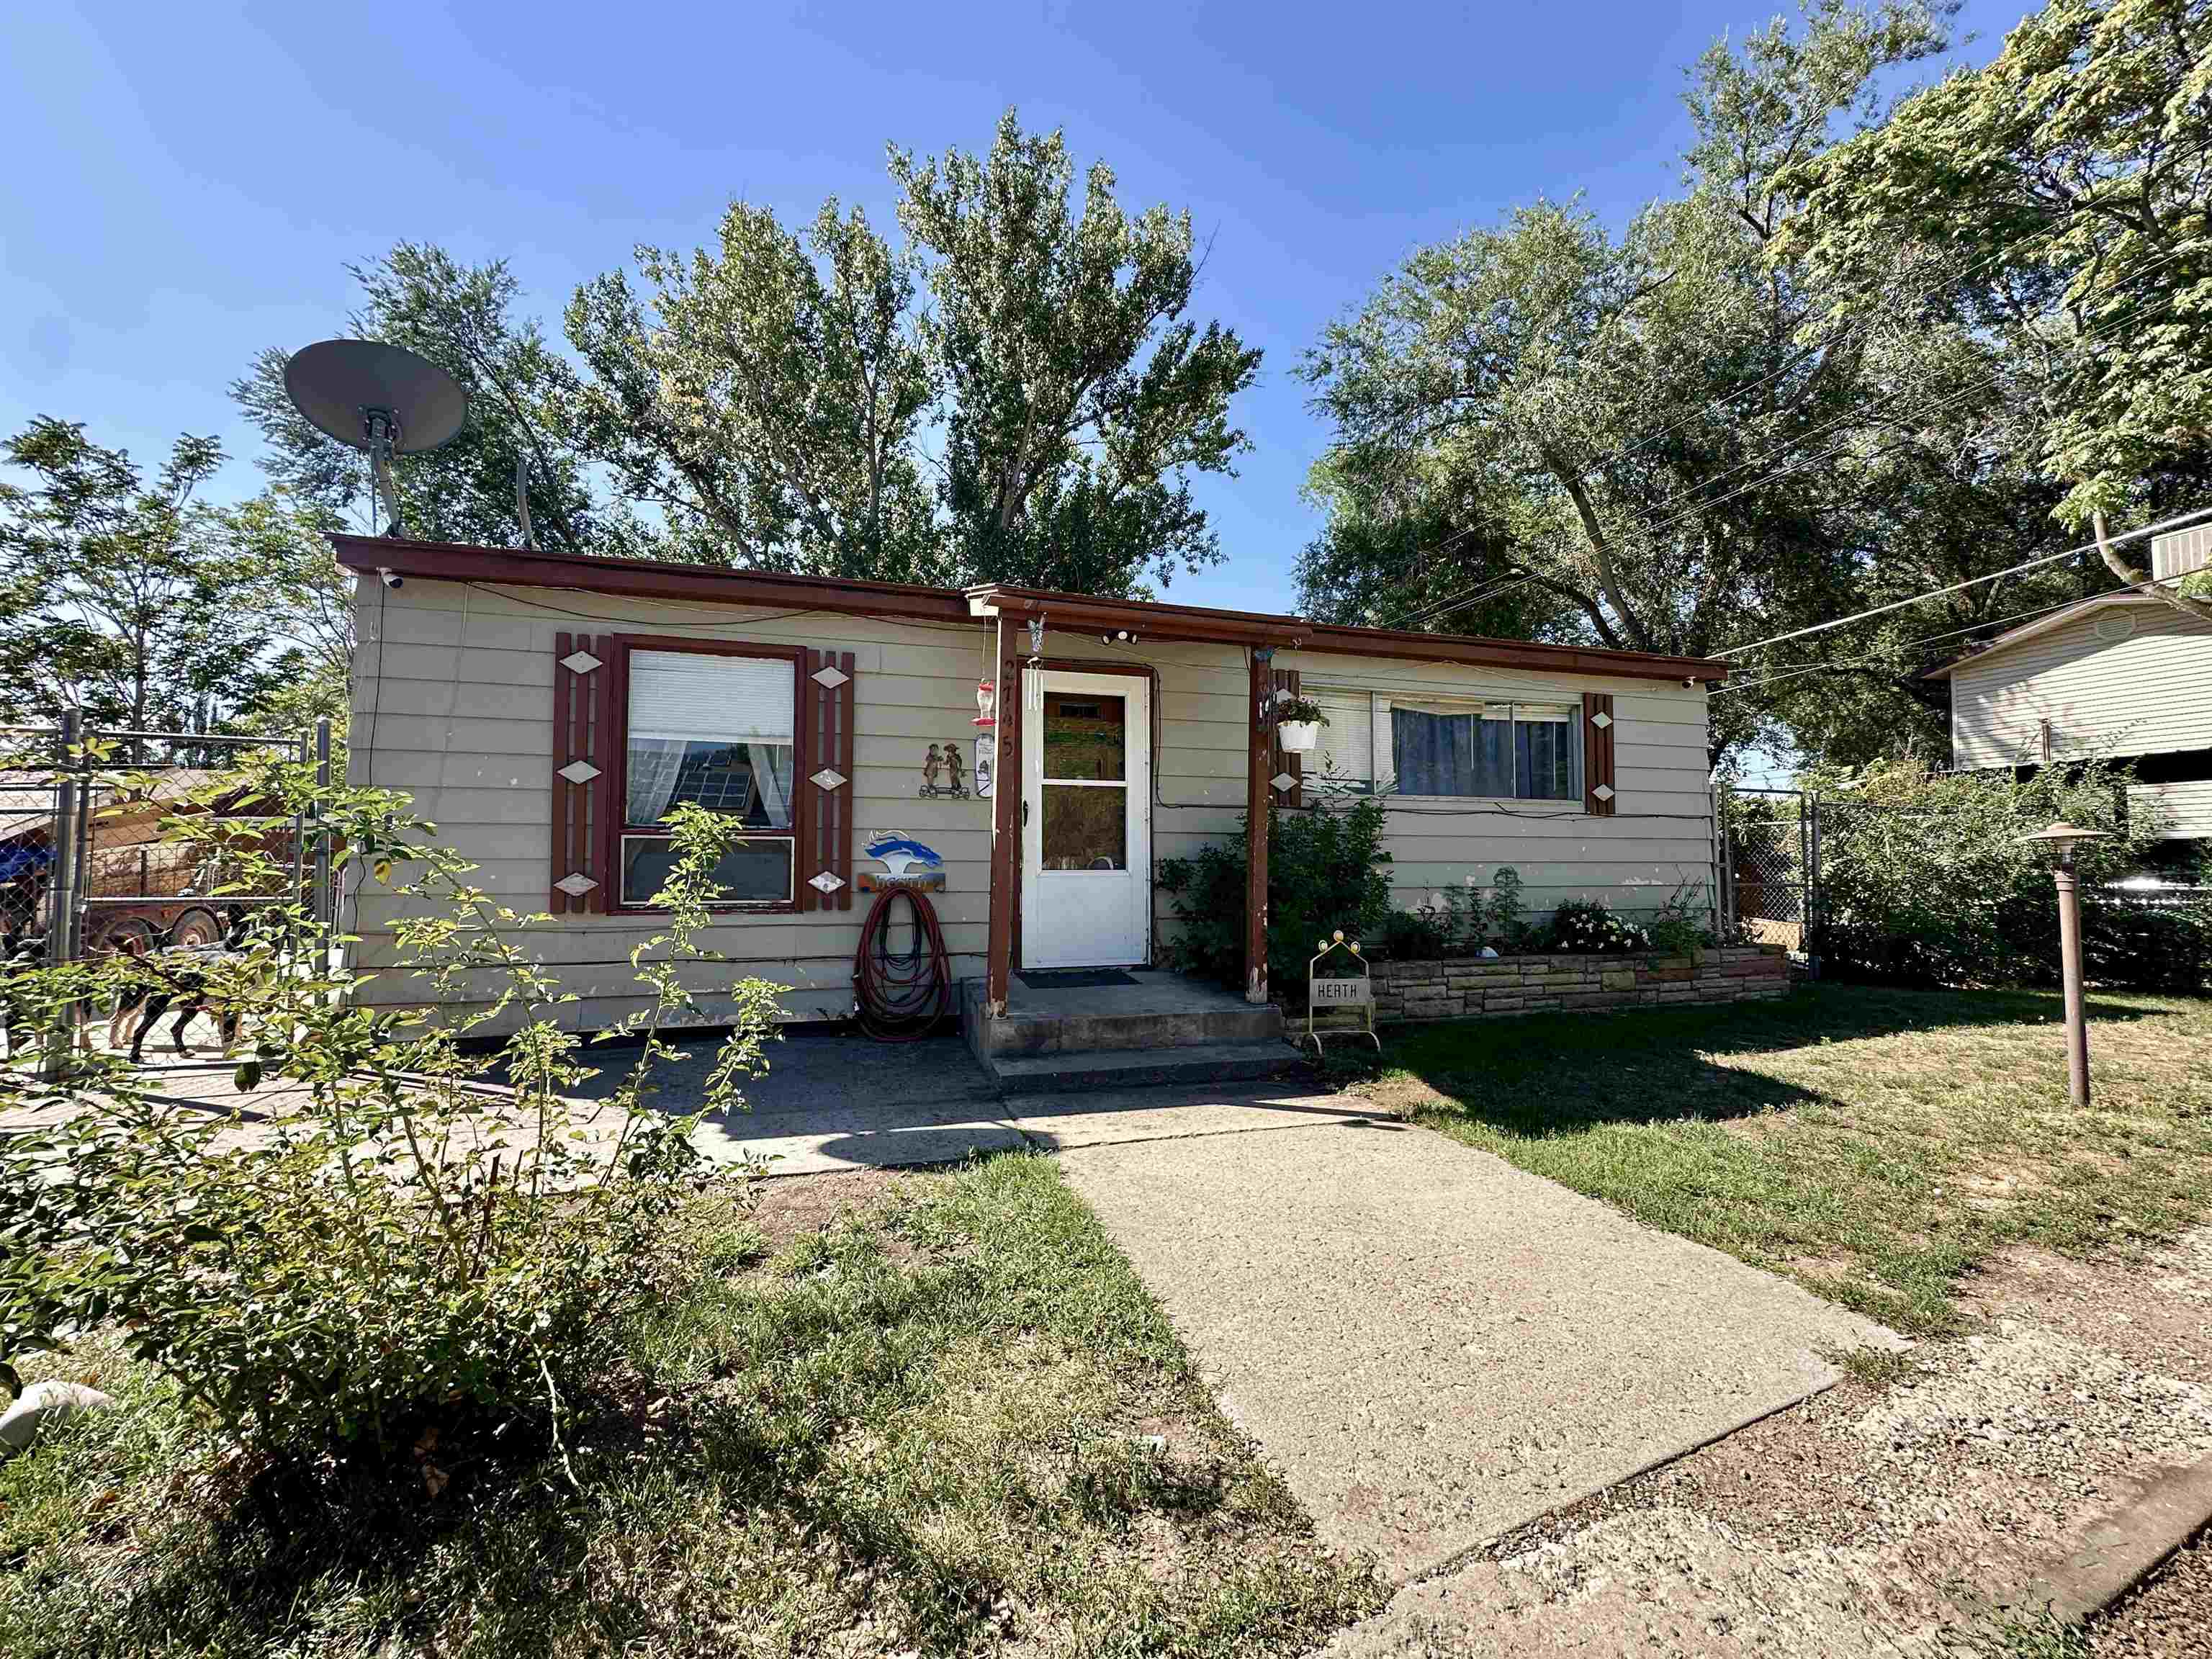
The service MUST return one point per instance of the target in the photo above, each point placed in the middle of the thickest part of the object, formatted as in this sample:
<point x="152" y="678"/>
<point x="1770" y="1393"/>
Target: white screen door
<point x="1087" y="822"/>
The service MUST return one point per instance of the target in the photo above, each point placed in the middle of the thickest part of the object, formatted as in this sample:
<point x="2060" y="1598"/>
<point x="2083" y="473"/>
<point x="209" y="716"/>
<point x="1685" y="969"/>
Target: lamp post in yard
<point x="2062" y="838"/>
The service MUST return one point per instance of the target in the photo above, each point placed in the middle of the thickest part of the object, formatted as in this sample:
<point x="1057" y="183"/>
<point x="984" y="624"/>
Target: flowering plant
<point x="1582" y="925"/>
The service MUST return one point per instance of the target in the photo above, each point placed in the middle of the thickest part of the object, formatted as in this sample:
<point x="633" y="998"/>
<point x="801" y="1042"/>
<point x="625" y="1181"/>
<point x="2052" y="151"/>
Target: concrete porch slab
<point x="1435" y="1347"/>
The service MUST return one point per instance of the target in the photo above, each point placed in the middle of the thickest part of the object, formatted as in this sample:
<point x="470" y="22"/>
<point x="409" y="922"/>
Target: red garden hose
<point x="900" y="996"/>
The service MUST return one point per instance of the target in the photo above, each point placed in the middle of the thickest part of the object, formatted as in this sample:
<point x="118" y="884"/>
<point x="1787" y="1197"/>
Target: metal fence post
<point x="1813" y="886"/>
<point x="321" y="899"/>
<point x="61" y="895"/>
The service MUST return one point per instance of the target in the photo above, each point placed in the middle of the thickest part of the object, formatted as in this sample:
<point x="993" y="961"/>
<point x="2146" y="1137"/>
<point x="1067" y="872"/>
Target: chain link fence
<point x="1769" y="868"/>
<point x="85" y="866"/>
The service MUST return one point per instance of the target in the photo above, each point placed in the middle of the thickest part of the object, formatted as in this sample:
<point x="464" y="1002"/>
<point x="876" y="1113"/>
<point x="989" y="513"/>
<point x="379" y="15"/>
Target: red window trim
<point x="617" y="814"/>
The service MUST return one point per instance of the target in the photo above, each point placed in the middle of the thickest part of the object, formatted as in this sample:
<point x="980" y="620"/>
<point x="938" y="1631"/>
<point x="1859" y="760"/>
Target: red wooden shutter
<point x="583" y="772"/>
<point x="1598" y="786"/>
<point x="1285" y="763"/>
<point x="824" y="833"/>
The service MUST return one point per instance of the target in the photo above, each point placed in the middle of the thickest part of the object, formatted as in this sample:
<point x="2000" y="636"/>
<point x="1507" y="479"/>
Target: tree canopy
<point x="1721" y="422"/>
<point x="1014" y="390"/>
<point x="2055" y="203"/>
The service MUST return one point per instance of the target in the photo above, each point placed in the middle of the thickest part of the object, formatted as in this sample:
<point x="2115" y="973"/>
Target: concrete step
<point x="1137" y="1068"/>
<point x="1161" y="1011"/>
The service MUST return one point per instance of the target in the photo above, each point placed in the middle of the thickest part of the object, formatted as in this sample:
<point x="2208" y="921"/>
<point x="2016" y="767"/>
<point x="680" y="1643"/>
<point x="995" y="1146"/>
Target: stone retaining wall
<point x="1460" y="987"/>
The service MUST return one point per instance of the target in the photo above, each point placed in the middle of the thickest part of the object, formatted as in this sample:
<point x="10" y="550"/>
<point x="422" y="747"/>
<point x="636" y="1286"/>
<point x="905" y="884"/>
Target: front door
<point x="1087" y="822"/>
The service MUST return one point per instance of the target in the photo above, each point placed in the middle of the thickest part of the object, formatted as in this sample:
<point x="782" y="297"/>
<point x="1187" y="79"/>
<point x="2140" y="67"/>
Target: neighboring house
<point x="2122" y="674"/>
<point x="546" y="711"/>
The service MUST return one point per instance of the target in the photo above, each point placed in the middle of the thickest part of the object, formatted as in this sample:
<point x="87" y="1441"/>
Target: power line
<point x="1905" y="441"/>
<point x="1780" y="675"/>
<point x="2180" y="519"/>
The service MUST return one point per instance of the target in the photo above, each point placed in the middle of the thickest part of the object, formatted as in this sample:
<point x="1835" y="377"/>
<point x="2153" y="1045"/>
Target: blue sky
<point x="189" y="181"/>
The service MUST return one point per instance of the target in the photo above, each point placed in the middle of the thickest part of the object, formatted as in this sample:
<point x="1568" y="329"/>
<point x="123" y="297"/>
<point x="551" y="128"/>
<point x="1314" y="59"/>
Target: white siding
<point x="2188" y="806"/>
<point x="453" y="701"/>
<point x="2148" y="693"/>
<point x="1659" y="839"/>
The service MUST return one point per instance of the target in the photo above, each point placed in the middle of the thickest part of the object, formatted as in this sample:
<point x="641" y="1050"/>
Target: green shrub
<point x="1413" y="935"/>
<point x="1924" y="879"/>
<point x="387" y="1253"/>
<point x="1682" y="924"/>
<point x="1325" y="871"/>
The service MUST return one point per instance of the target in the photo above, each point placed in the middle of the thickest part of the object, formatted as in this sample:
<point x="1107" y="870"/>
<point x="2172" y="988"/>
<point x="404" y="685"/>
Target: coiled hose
<point x="900" y="996"/>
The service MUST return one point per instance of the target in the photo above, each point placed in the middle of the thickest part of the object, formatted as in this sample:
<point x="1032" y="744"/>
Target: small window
<point x="718" y="732"/>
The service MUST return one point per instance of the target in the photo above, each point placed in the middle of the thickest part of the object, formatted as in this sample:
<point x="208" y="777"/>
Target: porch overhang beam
<point x="1085" y="614"/>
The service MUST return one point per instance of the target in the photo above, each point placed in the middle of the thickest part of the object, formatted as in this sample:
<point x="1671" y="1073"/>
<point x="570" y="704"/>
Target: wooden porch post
<point x="1260" y="751"/>
<point x="1005" y="823"/>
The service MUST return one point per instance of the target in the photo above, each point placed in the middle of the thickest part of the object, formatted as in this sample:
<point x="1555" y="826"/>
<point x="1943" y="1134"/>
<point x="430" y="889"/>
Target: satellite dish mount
<point x="380" y="399"/>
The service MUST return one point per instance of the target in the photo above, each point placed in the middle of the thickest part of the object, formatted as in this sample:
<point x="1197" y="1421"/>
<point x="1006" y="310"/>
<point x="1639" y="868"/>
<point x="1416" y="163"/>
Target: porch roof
<point x="980" y="606"/>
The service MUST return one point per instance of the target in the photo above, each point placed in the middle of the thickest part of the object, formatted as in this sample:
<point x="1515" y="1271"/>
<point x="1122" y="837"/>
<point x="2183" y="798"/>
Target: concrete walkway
<point x="1435" y="1347"/>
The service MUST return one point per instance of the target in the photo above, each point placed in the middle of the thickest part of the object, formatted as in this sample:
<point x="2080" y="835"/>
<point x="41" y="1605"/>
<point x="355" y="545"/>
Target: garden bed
<point x="1460" y="987"/>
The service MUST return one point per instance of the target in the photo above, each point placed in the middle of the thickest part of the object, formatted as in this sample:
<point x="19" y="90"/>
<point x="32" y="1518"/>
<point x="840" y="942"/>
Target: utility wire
<point x="1779" y="675"/>
<point x="1905" y="441"/>
<point x="2190" y="517"/>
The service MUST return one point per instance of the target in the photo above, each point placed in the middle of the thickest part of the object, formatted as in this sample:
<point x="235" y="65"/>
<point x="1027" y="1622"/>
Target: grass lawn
<point x="950" y="1420"/>
<point x="1875" y="1143"/>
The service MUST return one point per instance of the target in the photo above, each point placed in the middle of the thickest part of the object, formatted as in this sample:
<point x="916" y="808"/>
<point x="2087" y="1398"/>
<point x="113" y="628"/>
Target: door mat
<point x="1074" y="979"/>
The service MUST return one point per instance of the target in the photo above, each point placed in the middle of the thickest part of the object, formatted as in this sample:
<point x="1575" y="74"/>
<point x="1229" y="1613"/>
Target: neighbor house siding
<point x="2148" y="693"/>
<point x="2187" y="807"/>
<point x="453" y="703"/>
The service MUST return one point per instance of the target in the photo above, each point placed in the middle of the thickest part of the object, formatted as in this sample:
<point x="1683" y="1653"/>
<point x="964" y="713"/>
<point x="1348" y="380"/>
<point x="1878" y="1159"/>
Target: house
<point x="1026" y="756"/>
<point x="2122" y="674"/>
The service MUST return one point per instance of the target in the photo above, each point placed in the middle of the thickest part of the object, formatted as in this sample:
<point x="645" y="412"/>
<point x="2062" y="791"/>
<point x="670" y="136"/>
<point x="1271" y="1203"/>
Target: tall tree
<point x="790" y="403"/>
<point x="1677" y="433"/>
<point x="115" y="603"/>
<point x="2059" y="200"/>
<point x="1082" y="397"/>
<point x="462" y="318"/>
<point x="767" y="397"/>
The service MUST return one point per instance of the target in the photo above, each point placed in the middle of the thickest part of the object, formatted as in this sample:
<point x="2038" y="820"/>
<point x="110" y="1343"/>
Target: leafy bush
<point x="1413" y="935"/>
<point x="389" y="1251"/>
<point x="1325" y="871"/>
<point x="1682" y="924"/>
<point x="1924" y="879"/>
<point x="1505" y="923"/>
<point x="1590" y="924"/>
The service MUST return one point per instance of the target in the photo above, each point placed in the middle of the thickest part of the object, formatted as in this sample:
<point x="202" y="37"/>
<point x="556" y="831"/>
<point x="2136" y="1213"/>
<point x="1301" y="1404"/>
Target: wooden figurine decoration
<point x="941" y="777"/>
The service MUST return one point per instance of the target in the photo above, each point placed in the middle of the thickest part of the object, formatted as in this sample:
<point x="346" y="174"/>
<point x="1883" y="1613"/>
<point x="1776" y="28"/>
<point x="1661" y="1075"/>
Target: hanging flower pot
<point x="1298" y="721"/>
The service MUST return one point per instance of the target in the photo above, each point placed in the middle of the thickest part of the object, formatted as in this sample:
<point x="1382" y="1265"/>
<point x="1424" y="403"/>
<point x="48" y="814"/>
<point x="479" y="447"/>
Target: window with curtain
<point x="1527" y="751"/>
<point x="718" y="732"/>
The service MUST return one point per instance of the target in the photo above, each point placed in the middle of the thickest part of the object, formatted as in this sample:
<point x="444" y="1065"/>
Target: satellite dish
<point x="378" y="398"/>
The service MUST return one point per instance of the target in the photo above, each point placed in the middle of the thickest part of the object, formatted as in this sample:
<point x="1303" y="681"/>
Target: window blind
<point x="1346" y="757"/>
<point x="696" y="696"/>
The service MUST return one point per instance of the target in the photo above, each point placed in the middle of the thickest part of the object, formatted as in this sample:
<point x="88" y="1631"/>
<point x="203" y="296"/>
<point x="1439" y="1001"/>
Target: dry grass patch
<point x="1877" y="1143"/>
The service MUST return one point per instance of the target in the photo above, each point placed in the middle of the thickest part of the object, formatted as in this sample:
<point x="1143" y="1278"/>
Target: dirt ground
<point x="1885" y="1515"/>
